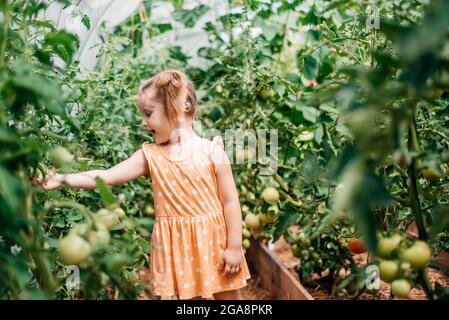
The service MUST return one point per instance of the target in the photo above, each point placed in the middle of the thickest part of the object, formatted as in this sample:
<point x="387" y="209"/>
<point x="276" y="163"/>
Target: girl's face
<point x="155" y="120"/>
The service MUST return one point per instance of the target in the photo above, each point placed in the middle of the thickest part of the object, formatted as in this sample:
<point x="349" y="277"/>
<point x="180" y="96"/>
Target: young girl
<point x="196" y="245"/>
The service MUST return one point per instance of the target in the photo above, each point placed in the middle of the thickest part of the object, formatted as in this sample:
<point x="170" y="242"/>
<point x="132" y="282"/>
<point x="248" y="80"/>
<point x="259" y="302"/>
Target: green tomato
<point x="246" y="233"/>
<point x="434" y="93"/>
<point x="405" y="266"/>
<point x="270" y="194"/>
<point x="388" y="270"/>
<point x="60" y="156"/>
<point x="302" y="237"/>
<point x="242" y="155"/>
<point x="246" y="243"/>
<point x="418" y="255"/>
<point x="305" y="254"/>
<point x="119" y="212"/>
<point x="400" y="288"/>
<point x="73" y="250"/>
<point x="266" y="93"/>
<point x="80" y="229"/>
<point x="386" y="246"/>
<point x="446" y="168"/>
<point x="106" y="217"/>
<point x="252" y="221"/>
<point x="432" y="172"/>
<point x="267" y="217"/>
<point x="149" y="211"/>
<point x="296" y="250"/>
<point x="100" y="236"/>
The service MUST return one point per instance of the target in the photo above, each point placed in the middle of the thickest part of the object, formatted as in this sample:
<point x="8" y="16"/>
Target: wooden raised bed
<point x="274" y="277"/>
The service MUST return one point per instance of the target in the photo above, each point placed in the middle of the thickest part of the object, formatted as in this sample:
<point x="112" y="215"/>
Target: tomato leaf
<point x="177" y="54"/>
<point x="310" y="68"/>
<point x="442" y="292"/>
<point x="86" y="21"/>
<point x="10" y="190"/>
<point x="269" y="29"/>
<point x="309" y="113"/>
<point x="163" y="27"/>
<point x="190" y="17"/>
<point x="107" y="197"/>
<point x="440" y="220"/>
<point x="372" y="193"/>
<point x="63" y="44"/>
<point x="285" y="220"/>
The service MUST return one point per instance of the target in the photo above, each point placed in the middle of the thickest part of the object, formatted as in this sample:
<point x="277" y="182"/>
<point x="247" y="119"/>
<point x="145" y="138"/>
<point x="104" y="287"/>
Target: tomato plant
<point x="360" y="150"/>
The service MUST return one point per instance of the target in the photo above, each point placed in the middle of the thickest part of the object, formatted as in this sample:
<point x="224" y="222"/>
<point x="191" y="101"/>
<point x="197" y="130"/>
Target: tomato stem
<point x="44" y="275"/>
<point x="415" y="204"/>
<point x="422" y="277"/>
<point x="281" y="182"/>
<point x="413" y="145"/>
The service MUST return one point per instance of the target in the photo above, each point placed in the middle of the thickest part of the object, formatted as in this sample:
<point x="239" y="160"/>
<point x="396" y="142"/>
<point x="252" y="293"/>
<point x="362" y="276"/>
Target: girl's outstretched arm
<point x="125" y="171"/>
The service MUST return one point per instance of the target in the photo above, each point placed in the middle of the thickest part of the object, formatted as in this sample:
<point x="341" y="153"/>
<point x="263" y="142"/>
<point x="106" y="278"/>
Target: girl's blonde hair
<point x="173" y="89"/>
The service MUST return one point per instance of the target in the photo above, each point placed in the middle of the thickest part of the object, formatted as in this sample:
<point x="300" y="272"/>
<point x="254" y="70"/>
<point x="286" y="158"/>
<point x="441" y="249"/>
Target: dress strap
<point x="217" y="152"/>
<point x="216" y="145"/>
<point x="147" y="149"/>
<point x="217" y="141"/>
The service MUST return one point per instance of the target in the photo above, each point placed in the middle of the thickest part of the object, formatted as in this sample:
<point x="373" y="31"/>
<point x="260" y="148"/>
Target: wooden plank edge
<point x="275" y="278"/>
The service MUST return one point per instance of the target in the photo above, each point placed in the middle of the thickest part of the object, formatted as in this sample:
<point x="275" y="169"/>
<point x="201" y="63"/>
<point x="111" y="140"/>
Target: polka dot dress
<point x="189" y="234"/>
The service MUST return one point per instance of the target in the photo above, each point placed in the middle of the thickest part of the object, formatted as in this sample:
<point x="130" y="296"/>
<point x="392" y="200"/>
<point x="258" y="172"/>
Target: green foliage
<point x="361" y="114"/>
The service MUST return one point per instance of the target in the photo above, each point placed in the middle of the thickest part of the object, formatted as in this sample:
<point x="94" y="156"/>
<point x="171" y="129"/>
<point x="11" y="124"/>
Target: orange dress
<point x="189" y="233"/>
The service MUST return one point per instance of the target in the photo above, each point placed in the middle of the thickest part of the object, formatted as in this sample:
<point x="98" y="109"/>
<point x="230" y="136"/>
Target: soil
<point x="253" y="291"/>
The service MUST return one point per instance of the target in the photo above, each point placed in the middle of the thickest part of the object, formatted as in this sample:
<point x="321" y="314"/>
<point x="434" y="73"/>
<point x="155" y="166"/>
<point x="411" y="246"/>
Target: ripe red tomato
<point x="356" y="246"/>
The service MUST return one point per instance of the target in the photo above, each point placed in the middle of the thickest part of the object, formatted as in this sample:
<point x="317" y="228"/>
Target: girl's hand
<point x="232" y="259"/>
<point x="54" y="181"/>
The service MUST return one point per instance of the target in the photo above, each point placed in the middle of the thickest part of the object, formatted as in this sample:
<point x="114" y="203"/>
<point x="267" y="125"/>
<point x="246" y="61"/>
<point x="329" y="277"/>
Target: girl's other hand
<point x="231" y="260"/>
